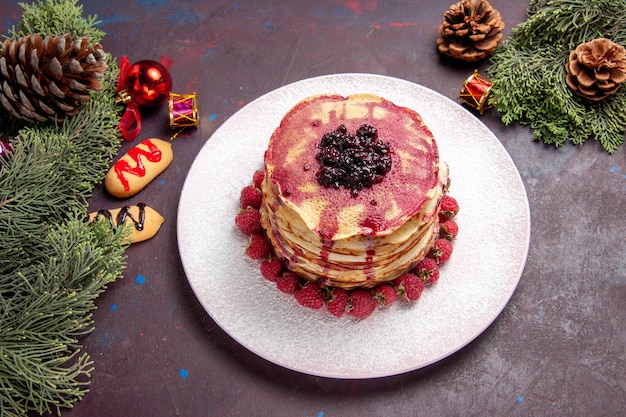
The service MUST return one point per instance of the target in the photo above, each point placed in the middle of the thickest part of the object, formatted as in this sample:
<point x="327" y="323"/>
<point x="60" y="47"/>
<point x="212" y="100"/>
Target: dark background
<point x="557" y="349"/>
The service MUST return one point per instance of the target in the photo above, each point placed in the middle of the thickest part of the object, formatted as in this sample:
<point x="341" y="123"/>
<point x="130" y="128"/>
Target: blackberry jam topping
<point x="353" y="161"/>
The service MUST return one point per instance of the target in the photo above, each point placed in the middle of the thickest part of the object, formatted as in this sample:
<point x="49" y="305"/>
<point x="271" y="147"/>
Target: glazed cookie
<point x="140" y="165"/>
<point x="145" y="220"/>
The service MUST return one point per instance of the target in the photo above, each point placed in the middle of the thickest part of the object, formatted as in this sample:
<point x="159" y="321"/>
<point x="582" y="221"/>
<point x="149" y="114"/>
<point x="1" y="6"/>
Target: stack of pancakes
<point x="331" y="236"/>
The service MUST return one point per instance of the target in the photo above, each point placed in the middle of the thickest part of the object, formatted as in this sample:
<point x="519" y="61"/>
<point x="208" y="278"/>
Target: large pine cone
<point x="596" y="69"/>
<point x="44" y="79"/>
<point x="471" y="30"/>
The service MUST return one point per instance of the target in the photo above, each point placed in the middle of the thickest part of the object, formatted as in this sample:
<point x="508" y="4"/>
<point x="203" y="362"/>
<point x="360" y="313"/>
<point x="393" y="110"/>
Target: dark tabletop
<point x="557" y="349"/>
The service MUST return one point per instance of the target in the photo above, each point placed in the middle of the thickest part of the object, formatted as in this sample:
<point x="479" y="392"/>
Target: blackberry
<point x="353" y="161"/>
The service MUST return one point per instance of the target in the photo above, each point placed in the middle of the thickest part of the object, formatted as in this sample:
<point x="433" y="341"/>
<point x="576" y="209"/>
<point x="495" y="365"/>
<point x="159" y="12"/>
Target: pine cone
<point x="596" y="69"/>
<point x="471" y="30"/>
<point x="44" y="79"/>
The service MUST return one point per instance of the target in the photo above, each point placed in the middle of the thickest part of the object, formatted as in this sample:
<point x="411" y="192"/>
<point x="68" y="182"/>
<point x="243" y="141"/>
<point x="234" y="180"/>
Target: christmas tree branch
<point x="54" y="265"/>
<point x="56" y="18"/>
<point x="528" y="73"/>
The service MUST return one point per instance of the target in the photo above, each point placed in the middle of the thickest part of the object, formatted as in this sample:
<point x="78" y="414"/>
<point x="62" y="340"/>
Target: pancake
<point x="345" y="237"/>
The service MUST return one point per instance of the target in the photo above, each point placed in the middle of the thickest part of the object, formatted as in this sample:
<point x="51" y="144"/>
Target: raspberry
<point x="427" y="270"/>
<point x="271" y="269"/>
<point x="259" y="247"/>
<point x="410" y="286"/>
<point x="257" y="178"/>
<point x="448" y="206"/>
<point x="385" y="294"/>
<point x="248" y="221"/>
<point x="441" y="250"/>
<point x="250" y="197"/>
<point x="448" y="229"/>
<point x="362" y="303"/>
<point x="310" y="295"/>
<point x="338" y="302"/>
<point x="288" y="282"/>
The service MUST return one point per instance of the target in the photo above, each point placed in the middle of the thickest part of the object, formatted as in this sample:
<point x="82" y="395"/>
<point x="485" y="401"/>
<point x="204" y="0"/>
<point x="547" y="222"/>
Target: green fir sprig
<point x="528" y="73"/>
<point x="55" y="18"/>
<point x="53" y="265"/>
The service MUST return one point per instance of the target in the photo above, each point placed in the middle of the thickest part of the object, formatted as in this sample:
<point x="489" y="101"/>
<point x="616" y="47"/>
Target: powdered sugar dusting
<point x="475" y="284"/>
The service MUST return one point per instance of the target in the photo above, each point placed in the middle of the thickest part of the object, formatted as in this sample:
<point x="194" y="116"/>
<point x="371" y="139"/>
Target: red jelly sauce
<point x="153" y="154"/>
<point x="403" y="190"/>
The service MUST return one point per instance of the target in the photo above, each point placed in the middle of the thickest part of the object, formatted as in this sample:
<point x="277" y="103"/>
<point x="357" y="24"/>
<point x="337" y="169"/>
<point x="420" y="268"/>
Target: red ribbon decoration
<point x="130" y="123"/>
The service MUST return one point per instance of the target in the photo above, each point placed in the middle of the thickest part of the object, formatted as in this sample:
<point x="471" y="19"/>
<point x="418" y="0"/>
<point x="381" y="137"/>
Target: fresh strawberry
<point x="271" y="269"/>
<point x="248" y="221"/>
<point x="257" y="178"/>
<point x="441" y="250"/>
<point x="385" y="294"/>
<point x="448" y="229"/>
<point x="288" y="282"/>
<point x="250" y="197"/>
<point x="337" y="302"/>
<point x="362" y="303"/>
<point x="448" y="206"/>
<point x="428" y="270"/>
<point x="310" y="295"/>
<point x="259" y="247"/>
<point x="409" y="286"/>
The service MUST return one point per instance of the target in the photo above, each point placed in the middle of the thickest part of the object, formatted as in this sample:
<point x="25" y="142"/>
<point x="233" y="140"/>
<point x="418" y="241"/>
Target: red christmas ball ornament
<point x="148" y="83"/>
<point x="5" y="150"/>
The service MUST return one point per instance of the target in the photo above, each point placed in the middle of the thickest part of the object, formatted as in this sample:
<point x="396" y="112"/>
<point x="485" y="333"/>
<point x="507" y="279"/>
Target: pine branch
<point x="46" y="308"/>
<point x="53" y="265"/>
<point x="53" y="171"/>
<point x="528" y="73"/>
<point x="57" y="17"/>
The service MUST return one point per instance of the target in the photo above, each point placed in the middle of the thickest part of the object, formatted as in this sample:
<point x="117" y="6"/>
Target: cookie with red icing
<point x="138" y="167"/>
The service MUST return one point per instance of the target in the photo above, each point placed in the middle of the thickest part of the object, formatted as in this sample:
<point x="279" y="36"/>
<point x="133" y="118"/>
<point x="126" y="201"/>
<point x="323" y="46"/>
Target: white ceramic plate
<point x="475" y="285"/>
